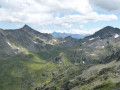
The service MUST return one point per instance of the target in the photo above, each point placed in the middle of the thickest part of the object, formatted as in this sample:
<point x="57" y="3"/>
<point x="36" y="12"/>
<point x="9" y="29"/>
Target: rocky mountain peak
<point x="26" y="27"/>
<point x="107" y="32"/>
<point x="108" y="27"/>
<point x="68" y="38"/>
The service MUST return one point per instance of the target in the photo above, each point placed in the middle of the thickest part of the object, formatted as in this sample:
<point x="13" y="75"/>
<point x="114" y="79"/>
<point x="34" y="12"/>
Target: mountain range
<point x="30" y="60"/>
<point x="63" y="35"/>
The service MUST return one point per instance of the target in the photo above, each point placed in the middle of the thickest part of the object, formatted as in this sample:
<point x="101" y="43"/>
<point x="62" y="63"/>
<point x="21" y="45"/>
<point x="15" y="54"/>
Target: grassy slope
<point x="82" y="77"/>
<point x="30" y="71"/>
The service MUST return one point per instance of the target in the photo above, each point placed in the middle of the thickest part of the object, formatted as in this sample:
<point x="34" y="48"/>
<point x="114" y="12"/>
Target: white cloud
<point x="47" y="12"/>
<point x="73" y="31"/>
<point x="73" y="19"/>
<point x="81" y="26"/>
<point x="108" y="5"/>
<point x="66" y="6"/>
<point x="52" y="6"/>
<point x="84" y="31"/>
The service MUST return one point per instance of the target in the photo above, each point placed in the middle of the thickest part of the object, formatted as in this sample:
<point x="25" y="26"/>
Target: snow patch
<point x="103" y="46"/>
<point x="34" y="42"/>
<point x="91" y="39"/>
<point x="63" y="41"/>
<point x="116" y="36"/>
<point x="84" y="43"/>
<point x="52" y="43"/>
<point x="83" y="62"/>
<point x="92" y="54"/>
<point x="9" y="44"/>
<point x="16" y="53"/>
<point x="99" y="46"/>
<point x="55" y="40"/>
<point x="60" y="61"/>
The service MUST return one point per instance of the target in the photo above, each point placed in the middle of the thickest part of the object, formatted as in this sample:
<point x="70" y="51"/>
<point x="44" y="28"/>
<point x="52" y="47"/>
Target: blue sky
<point x="70" y="16"/>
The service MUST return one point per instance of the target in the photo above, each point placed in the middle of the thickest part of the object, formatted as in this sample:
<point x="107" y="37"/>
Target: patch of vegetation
<point x="27" y="71"/>
<point x="107" y="85"/>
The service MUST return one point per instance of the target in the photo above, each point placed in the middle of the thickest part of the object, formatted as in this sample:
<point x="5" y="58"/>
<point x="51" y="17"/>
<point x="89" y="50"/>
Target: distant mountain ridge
<point x="63" y="35"/>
